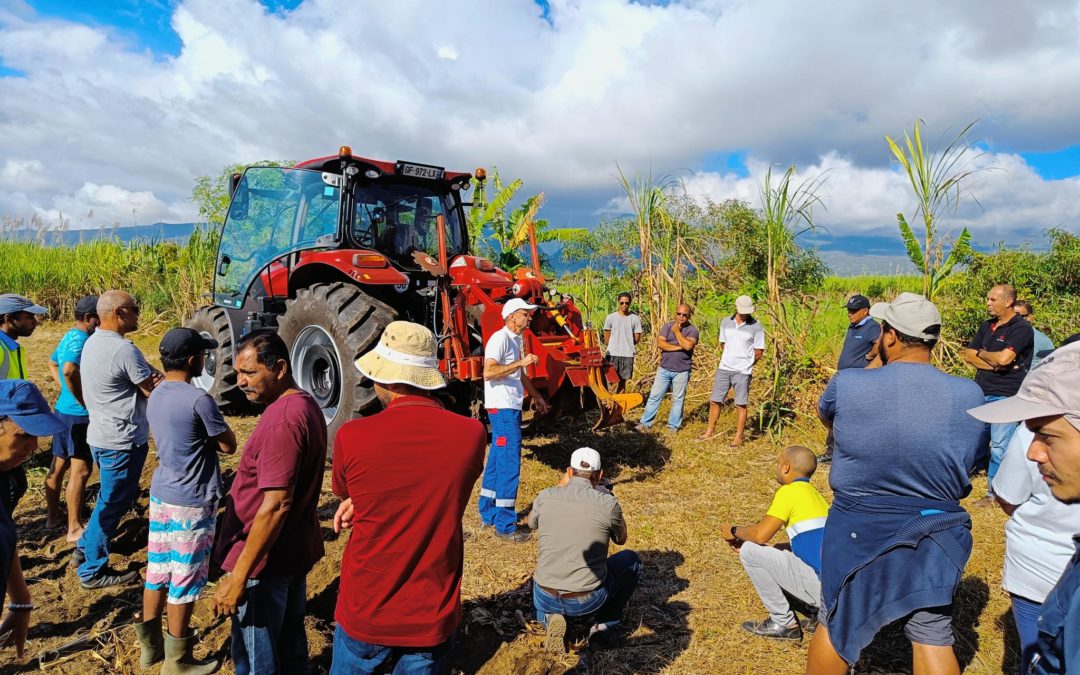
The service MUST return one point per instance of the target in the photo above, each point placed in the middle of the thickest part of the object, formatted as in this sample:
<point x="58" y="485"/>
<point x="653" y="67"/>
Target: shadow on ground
<point x="499" y="637"/>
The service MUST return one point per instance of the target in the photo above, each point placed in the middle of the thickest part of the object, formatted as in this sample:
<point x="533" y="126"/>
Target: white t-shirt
<point x="505" y="392"/>
<point x="739" y="342"/>
<point x="1038" y="536"/>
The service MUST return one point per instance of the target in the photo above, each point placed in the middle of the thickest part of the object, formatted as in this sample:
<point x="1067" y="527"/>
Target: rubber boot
<point x="179" y="661"/>
<point x="151" y="641"/>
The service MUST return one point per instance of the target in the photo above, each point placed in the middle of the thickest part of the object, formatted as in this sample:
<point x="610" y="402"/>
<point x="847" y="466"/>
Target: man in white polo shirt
<point x="742" y="340"/>
<point x="506" y="381"/>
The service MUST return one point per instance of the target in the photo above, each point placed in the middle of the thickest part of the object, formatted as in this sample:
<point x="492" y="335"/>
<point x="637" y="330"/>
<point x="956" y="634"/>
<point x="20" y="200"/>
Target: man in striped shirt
<point x="800" y="508"/>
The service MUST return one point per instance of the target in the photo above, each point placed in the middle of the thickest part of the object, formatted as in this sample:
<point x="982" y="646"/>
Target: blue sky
<point x="141" y="97"/>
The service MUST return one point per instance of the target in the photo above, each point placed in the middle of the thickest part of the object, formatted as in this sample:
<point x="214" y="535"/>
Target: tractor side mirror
<point x="239" y="207"/>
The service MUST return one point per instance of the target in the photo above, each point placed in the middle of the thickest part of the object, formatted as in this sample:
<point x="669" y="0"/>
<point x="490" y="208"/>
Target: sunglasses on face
<point x="624" y="303"/>
<point x="1023" y="315"/>
<point x="135" y="309"/>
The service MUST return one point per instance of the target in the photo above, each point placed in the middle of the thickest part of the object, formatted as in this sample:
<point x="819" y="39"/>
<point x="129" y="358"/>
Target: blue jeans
<point x="666" y="379"/>
<point x="502" y="473"/>
<point x="608" y="602"/>
<point x="1026" y="616"/>
<point x="268" y="631"/>
<point x="119" y="471"/>
<point x="1000" y="435"/>
<point x="355" y="657"/>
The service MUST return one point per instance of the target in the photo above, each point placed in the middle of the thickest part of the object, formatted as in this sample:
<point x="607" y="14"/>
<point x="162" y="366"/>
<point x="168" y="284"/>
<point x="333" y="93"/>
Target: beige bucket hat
<point x="406" y="354"/>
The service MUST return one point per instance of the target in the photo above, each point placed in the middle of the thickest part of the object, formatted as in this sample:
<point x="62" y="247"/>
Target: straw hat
<point x="406" y="354"/>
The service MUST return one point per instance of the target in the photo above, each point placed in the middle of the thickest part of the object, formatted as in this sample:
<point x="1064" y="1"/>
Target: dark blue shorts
<point x="72" y="443"/>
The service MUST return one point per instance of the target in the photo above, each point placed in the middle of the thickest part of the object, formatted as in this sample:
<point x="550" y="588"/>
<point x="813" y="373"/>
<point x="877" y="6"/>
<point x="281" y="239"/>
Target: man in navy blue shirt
<point x="896" y="540"/>
<point x="860" y="348"/>
<point x="862" y="334"/>
<point x="1048" y="401"/>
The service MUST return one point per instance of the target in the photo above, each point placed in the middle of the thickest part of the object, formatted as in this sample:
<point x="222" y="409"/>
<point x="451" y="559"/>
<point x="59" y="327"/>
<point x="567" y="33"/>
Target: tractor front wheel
<point x="327" y="327"/>
<point x="219" y="376"/>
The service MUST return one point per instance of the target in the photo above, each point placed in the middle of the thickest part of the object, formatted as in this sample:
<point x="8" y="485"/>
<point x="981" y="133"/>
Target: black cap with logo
<point x="179" y="343"/>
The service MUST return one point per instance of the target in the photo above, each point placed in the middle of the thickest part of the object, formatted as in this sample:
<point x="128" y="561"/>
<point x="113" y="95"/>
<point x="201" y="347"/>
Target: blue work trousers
<point x="499" y="486"/>
<point x="119" y="472"/>
<point x="356" y="657"/>
<point x="268" y="635"/>
<point x="666" y="379"/>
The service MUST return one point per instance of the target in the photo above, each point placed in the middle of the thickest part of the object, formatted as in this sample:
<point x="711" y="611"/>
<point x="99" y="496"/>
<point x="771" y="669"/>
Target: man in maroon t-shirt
<point x="270" y="536"/>
<point x="405" y="475"/>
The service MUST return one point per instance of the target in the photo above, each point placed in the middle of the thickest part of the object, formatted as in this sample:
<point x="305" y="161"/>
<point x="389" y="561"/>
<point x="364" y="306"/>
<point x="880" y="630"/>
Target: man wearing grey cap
<point x="896" y="540"/>
<point x="18" y="318"/>
<point x="1048" y="402"/>
<point x="574" y="575"/>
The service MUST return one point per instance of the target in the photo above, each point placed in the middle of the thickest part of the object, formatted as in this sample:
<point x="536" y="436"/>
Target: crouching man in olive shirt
<point x="574" y="575"/>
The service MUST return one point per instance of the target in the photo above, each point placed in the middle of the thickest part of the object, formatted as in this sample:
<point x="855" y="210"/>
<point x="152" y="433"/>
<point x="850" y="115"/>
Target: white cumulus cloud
<point x="556" y="101"/>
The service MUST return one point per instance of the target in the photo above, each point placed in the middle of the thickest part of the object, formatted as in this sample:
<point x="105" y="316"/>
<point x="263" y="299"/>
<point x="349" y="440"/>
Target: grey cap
<point x="11" y="303"/>
<point x="909" y="313"/>
<point x="1051" y="388"/>
<point x="86" y="305"/>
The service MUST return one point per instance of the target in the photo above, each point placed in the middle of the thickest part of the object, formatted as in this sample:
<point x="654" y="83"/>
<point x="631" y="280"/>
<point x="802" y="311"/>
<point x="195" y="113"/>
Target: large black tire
<point x="327" y="327"/>
<point x="219" y="375"/>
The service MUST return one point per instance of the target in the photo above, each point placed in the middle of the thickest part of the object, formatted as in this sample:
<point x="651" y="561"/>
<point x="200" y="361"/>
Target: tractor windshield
<point x="274" y="211"/>
<point x="397" y="219"/>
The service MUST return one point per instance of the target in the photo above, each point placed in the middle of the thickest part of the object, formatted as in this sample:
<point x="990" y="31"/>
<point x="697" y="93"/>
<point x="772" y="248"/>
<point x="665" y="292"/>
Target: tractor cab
<point x="335" y="203"/>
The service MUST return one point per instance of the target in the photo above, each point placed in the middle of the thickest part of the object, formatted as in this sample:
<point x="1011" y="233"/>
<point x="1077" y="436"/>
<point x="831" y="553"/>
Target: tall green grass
<point x="169" y="280"/>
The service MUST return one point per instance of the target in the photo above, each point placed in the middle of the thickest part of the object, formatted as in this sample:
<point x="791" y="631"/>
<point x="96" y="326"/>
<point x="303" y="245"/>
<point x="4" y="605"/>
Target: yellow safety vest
<point x="11" y="363"/>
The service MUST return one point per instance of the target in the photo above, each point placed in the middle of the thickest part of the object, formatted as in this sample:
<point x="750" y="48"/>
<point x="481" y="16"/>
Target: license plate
<point x="420" y="171"/>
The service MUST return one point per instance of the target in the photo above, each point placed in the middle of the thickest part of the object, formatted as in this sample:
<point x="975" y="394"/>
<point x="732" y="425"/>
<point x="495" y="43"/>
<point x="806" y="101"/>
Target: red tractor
<point x="332" y="250"/>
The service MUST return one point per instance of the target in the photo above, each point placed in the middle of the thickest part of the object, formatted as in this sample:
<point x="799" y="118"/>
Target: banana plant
<point x="938" y="181"/>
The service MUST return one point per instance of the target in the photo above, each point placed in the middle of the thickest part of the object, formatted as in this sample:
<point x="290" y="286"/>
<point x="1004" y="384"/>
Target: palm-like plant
<point x="938" y="180"/>
<point x="503" y="236"/>
<point x="787" y="212"/>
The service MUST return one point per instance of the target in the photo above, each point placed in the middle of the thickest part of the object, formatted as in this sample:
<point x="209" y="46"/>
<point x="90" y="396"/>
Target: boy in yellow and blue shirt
<point x="800" y="508"/>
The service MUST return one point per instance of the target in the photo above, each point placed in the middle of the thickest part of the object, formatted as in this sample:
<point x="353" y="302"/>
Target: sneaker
<point x="768" y="628"/>
<point x="108" y="578"/>
<point x="555" y="639"/>
<point x="825" y="458"/>
<point x="641" y="429"/>
<point x="77" y="557"/>
<point x="516" y="537"/>
<point x="808" y="624"/>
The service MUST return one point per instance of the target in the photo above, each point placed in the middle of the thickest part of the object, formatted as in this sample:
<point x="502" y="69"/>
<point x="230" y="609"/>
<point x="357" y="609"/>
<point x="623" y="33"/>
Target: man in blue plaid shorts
<point x="189" y="431"/>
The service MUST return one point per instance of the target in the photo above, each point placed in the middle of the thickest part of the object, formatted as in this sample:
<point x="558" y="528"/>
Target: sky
<point x="112" y="108"/>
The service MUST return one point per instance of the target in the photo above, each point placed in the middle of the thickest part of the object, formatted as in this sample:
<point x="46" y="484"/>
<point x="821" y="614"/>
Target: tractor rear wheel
<point x="219" y="375"/>
<point x="327" y="327"/>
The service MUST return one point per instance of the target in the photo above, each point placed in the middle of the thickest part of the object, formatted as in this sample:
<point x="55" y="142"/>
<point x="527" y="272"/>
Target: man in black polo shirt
<point x="1001" y="352"/>
<point x="860" y="348"/>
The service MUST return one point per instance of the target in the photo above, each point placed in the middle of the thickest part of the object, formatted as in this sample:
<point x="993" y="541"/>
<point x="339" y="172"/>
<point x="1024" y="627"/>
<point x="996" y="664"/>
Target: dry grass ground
<point x="684" y="618"/>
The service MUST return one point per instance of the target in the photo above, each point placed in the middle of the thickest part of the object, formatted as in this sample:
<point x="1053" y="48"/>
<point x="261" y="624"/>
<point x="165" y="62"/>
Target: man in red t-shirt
<point x="270" y="536"/>
<point x="405" y="475"/>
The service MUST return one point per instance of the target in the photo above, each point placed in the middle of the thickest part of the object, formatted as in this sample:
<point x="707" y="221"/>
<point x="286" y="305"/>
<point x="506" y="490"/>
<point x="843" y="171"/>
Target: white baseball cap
<point x="910" y="314"/>
<point x="1051" y="388"/>
<point x="744" y="304"/>
<point x="585" y="459"/>
<point x="514" y="305"/>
